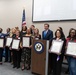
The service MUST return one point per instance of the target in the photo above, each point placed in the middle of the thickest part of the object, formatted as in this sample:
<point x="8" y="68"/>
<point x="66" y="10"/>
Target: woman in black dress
<point x="58" y="59"/>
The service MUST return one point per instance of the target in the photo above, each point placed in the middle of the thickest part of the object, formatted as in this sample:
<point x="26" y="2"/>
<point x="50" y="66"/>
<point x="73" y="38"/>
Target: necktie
<point x="44" y="33"/>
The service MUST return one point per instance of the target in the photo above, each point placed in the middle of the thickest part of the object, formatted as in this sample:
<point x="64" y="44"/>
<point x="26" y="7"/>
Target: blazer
<point x="48" y="36"/>
<point x="2" y="35"/>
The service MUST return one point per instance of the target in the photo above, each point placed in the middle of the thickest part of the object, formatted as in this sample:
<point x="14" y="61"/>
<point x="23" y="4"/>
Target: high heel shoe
<point x="22" y="68"/>
<point x="28" y="68"/>
<point x="14" y="66"/>
<point x="0" y="63"/>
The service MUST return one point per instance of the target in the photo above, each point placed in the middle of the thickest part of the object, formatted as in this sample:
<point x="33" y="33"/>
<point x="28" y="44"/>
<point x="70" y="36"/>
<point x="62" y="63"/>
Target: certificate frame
<point x="56" y="47"/>
<point x="71" y="45"/>
<point x="1" y="42"/>
<point x="9" y="40"/>
<point x="13" y="44"/>
<point x="26" y="39"/>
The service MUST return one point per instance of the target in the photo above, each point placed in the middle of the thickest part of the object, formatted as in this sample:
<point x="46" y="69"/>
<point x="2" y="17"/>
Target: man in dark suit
<point x="47" y="34"/>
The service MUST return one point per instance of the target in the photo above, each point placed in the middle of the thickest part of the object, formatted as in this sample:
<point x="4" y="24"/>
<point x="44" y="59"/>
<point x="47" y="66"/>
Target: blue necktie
<point x="44" y="33"/>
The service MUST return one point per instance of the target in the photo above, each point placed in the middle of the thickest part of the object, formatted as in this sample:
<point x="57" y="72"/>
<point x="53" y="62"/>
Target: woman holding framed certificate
<point x="1" y="45"/>
<point x="60" y="28"/>
<point x="23" y="31"/>
<point x="12" y="35"/>
<point x="71" y="40"/>
<point x="57" y="52"/>
<point x="16" y="49"/>
<point x="26" y="51"/>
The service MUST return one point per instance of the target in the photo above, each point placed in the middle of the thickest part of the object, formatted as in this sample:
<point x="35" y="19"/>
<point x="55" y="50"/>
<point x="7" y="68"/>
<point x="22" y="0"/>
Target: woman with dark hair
<point x="60" y="28"/>
<point x="58" y="59"/>
<point x="32" y="29"/>
<point x="26" y="54"/>
<point x="71" y="59"/>
<point x="23" y="31"/>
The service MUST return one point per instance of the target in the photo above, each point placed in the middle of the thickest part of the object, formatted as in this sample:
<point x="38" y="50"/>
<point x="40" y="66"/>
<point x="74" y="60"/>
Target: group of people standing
<point x="23" y="55"/>
<point x="56" y="60"/>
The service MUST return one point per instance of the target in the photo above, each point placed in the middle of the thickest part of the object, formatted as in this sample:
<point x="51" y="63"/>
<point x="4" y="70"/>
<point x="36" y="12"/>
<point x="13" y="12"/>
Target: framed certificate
<point x="8" y="41"/>
<point x="26" y="41"/>
<point x="1" y="42"/>
<point x="71" y="49"/>
<point x="56" y="47"/>
<point x="15" y="44"/>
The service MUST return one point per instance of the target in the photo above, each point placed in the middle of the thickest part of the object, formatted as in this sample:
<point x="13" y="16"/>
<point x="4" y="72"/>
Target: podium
<point x="39" y="57"/>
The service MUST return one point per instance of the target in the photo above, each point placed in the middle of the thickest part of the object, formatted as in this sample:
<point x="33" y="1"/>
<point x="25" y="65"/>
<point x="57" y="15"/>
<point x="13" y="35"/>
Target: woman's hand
<point x="10" y="48"/>
<point x="49" y="51"/>
<point x="30" y="46"/>
<point x="21" y="45"/>
<point x="74" y="56"/>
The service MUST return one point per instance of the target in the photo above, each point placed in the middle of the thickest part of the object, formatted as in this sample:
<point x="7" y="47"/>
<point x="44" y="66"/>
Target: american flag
<point x="23" y="18"/>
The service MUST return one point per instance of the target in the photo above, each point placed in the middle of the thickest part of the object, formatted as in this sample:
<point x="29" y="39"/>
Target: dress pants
<point x="7" y="54"/>
<point x="1" y="54"/>
<point x="57" y="64"/>
<point x="16" y="58"/>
